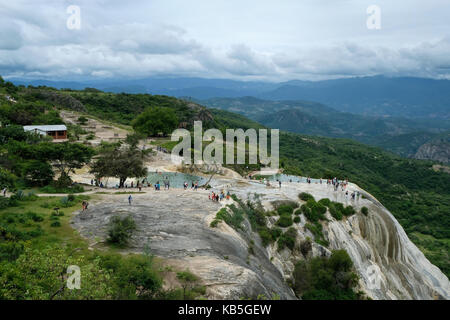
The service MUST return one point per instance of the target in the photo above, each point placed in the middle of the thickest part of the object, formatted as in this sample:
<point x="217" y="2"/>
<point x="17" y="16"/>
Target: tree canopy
<point x="156" y="120"/>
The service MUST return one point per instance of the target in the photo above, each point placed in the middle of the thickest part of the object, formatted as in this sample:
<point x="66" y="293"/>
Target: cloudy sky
<point x="272" y="40"/>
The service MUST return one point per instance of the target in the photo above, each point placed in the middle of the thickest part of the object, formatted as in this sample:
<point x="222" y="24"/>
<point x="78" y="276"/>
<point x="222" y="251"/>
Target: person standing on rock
<point x="166" y="184"/>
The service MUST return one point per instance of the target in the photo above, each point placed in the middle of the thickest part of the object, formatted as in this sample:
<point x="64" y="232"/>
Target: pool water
<point x="176" y="179"/>
<point x="288" y="178"/>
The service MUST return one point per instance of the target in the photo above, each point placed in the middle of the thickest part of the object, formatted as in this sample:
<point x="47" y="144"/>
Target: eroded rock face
<point x="436" y="150"/>
<point x="176" y="226"/>
<point x="389" y="265"/>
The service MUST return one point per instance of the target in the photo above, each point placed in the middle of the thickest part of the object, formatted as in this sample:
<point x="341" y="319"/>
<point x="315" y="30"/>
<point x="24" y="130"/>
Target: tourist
<point x="166" y="184"/>
<point x="279" y="182"/>
<point x="83" y="205"/>
<point x="129" y="199"/>
<point x="196" y="185"/>
<point x="4" y="192"/>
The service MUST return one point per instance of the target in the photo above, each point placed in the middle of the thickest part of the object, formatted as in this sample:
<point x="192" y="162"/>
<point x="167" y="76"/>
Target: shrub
<point x="214" y="223"/>
<point x="266" y="236"/>
<point x="305" y="196"/>
<point x="82" y="120"/>
<point x="297" y="219"/>
<point x="335" y="212"/>
<point x="316" y="230"/>
<point x="318" y="210"/>
<point x="55" y="223"/>
<point x="285" y="209"/>
<point x="276" y="232"/>
<point x="233" y="219"/>
<point x="34" y="216"/>
<point x="287" y="239"/>
<point x="349" y="210"/>
<point x="326" y="202"/>
<point x="284" y="221"/>
<point x="323" y="278"/>
<point x="364" y="211"/>
<point x="4" y="203"/>
<point x="120" y="230"/>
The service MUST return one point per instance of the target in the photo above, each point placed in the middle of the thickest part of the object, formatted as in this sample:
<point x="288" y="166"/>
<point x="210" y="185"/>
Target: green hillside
<point x="418" y="196"/>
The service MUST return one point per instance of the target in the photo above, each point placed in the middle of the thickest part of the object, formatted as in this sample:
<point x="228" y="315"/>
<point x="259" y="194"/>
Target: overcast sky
<point x="271" y="40"/>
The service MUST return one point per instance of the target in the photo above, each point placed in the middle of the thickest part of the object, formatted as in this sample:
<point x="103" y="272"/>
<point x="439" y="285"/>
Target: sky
<point x="269" y="40"/>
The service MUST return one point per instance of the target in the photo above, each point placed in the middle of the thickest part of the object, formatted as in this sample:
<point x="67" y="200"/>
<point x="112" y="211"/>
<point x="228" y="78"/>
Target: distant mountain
<point x="399" y="135"/>
<point x="381" y="96"/>
<point x="317" y="119"/>
<point x="377" y="96"/>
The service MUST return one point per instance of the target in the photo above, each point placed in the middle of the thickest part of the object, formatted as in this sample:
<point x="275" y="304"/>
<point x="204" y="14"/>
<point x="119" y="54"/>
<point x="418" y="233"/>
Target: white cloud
<point x="230" y="39"/>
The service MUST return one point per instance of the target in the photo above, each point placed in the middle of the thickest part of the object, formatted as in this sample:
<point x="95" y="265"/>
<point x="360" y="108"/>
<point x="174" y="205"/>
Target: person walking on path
<point x="129" y="199"/>
<point x="4" y="191"/>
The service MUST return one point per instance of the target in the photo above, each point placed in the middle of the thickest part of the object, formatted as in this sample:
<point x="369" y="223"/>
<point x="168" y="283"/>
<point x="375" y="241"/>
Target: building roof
<point x="58" y="127"/>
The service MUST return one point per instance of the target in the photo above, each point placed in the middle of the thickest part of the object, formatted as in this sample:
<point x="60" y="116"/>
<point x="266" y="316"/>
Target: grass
<point x="64" y="234"/>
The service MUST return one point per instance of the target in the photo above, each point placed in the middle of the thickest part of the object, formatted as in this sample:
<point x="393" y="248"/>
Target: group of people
<point x="219" y="196"/>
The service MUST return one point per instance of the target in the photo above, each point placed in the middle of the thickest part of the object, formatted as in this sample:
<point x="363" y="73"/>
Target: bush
<point x="34" y="216"/>
<point x="305" y="196"/>
<point x="316" y="230"/>
<point x="297" y="219"/>
<point x="120" y="230"/>
<point x="4" y="202"/>
<point x="233" y="219"/>
<point x="82" y="120"/>
<point x="285" y="209"/>
<point x="325" y="202"/>
<point x="284" y="221"/>
<point x="364" y="211"/>
<point x="348" y="211"/>
<point x="335" y="212"/>
<point x="134" y="277"/>
<point x="266" y="236"/>
<point x="214" y="223"/>
<point x="276" y="232"/>
<point x="55" y="223"/>
<point x="324" y="278"/>
<point x="287" y="239"/>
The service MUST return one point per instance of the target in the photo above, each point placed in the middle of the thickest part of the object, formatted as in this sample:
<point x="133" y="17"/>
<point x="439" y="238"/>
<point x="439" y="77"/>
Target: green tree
<point x="156" y="120"/>
<point x="38" y="173"/>
<point x="119" y="162"/>
<point x="68" y="157"/>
